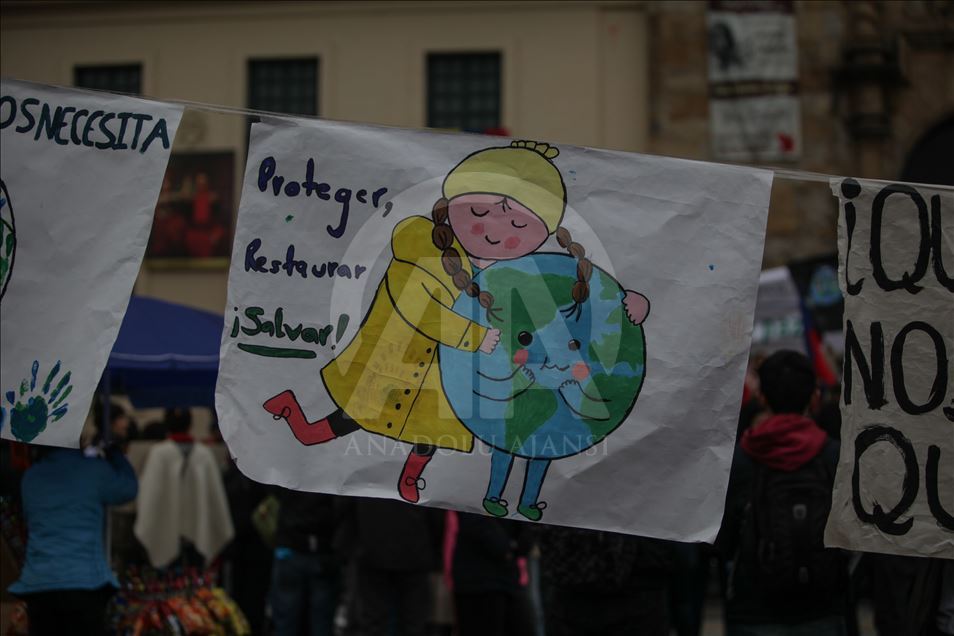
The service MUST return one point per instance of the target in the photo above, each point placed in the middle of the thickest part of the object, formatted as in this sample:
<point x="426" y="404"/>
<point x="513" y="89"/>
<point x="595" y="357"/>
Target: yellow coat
<point x="387" y="380"/>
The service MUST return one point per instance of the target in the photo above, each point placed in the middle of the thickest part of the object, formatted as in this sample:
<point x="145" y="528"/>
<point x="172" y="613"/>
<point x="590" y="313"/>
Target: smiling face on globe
<point x="562" y="377"/>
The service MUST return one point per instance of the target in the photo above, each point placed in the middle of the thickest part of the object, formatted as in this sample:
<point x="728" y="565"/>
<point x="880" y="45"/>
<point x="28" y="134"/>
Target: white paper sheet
<point x="81" y="173"/>
<point x="686" y="235"/>
<point x="894" y="488"/>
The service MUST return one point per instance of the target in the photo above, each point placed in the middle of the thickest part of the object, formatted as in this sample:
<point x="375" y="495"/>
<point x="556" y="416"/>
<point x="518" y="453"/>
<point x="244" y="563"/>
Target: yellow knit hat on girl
<point x="523" y="171"/>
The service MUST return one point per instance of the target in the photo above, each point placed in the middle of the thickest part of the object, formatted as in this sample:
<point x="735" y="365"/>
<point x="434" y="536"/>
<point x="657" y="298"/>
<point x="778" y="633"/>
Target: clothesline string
<point x="795" y="175"/>
<point x="780" y="173"/>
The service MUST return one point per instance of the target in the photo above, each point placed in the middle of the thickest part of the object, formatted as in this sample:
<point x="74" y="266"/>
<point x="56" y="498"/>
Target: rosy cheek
<point x="581" y="371"/>
<point x="477" y="229"/>
<point x="521" y="356"/>
<point x="511" y="242"/>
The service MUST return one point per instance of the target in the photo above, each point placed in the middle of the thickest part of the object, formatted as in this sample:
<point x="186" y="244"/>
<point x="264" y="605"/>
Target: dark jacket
<point x="245" y="495"/>
<point x="307" y="522"/>
<point x="486" y="552"/>
<point x="387" y="534"/>
<point x="785" y="443"/>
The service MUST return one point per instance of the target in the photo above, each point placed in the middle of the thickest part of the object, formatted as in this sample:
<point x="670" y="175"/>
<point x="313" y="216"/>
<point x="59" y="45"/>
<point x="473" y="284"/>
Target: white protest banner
<point x="778" y="315"/>
<point x="80" y="176"/>
<point x="894" y="489"/>
<point x="503" y="327"/>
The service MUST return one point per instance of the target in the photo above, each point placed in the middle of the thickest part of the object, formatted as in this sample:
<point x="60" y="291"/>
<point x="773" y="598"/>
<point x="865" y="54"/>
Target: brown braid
<point x="443" y="237"/>
<point x="584" y="269"/>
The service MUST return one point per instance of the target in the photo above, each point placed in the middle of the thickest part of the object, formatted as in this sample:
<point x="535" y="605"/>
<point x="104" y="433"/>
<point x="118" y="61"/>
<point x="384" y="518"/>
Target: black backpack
<point x="782" y="543"/>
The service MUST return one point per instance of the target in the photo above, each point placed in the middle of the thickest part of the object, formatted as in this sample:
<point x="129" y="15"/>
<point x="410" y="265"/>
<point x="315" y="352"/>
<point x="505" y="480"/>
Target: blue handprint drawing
<point x="31" y="410"/>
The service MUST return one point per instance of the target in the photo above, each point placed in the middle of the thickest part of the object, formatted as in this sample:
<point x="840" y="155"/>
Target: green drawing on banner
<point x="8" y="238"/>
<point x="30" y="409"/>
<point x="276" y="352"/>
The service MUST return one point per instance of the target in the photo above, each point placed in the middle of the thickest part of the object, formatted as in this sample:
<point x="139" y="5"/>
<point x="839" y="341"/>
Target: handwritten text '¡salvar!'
<point x="282" y="339"/>
<point x="278" y="185"/>
<point x="67" y="125"/>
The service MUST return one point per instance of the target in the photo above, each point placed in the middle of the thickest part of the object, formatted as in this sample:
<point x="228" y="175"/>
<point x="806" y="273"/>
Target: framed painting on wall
<point x="192" y="226"/>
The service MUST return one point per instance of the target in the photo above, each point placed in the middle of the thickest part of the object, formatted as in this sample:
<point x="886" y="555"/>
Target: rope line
<point x="787" y="174"/>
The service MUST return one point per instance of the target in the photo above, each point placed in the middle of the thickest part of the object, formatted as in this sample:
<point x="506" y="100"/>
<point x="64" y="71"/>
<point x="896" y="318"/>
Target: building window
<point x="120" y="78"/>
<point x="463" y="91"/>
<point x="287" y="85"/>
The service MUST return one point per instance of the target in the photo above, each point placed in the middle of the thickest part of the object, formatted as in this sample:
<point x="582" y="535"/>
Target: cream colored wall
<point x="573" y="72"/>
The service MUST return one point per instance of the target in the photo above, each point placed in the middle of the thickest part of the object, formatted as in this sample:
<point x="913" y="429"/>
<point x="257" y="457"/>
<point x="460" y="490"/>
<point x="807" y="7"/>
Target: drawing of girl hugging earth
<point x="499" y="204"/>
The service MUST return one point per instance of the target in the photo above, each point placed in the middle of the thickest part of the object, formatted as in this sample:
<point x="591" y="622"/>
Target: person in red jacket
<point x="781" y="579"/>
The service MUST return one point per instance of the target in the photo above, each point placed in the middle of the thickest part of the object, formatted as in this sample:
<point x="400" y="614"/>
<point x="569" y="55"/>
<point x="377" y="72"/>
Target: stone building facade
<point x="876" y="82"/>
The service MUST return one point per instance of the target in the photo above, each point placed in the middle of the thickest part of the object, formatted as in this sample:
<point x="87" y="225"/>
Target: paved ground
<point x="713" y="620"/>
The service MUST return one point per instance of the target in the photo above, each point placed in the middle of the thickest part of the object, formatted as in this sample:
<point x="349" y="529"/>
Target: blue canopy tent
<point x="166" y="355"/>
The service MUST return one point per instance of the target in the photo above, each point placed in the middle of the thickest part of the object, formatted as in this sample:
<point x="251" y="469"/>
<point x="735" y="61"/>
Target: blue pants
<point x="500" y="466"/>
<point x="304" y="593"/>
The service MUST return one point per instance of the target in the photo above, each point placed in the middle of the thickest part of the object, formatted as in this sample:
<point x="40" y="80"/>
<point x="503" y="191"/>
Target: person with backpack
<point x="781" y="580"/>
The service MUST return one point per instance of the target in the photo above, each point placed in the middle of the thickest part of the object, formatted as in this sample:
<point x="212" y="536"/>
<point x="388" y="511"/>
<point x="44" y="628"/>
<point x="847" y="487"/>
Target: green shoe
<point x="533" y="512"/>
<point x="496" y="507"/>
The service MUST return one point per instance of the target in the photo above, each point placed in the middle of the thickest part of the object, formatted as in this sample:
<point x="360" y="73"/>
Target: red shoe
<point x="285" y="406"/>
<point x="411" y="482"/>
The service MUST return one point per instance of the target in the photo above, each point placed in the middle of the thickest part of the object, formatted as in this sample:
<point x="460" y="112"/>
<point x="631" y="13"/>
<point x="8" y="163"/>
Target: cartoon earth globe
<point x="563" y="376"/>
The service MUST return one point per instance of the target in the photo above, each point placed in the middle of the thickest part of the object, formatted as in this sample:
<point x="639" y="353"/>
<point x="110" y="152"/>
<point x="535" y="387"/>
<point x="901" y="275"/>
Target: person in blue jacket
<point x="66" y="579"/>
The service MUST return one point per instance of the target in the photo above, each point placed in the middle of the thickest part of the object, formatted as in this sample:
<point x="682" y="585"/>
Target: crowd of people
<point x="345" y="565"/>
<point x="306" y="563"/>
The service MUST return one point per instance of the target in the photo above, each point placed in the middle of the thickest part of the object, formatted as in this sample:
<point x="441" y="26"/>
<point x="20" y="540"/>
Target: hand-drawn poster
<point x="754" y="111"/>
<point x="894" y="488"/>
<point x="80" y="175"/>
<point x="511" y="328"/>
